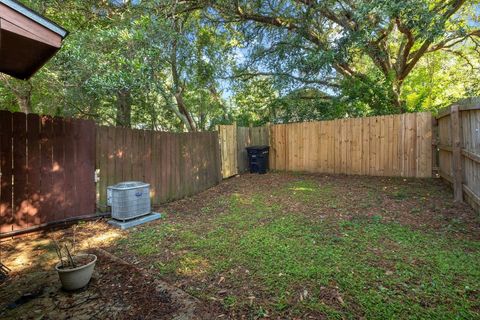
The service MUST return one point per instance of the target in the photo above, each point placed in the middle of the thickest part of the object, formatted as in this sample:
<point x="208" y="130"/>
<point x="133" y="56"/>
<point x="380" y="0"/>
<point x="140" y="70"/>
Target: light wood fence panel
<point x="247" y="137"/>
<point x="227" y="135"/>
<point x="243" y="140"/>
<point x="459" y="149"/>
<point x="396" y="145"/>
<point x="175" y="165"/>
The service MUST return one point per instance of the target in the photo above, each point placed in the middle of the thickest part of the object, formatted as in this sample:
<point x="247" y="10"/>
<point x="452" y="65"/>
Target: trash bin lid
<point x="263" y="147"/>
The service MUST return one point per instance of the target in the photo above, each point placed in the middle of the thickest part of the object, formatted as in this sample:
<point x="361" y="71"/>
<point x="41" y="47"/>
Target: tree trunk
<point x="395" y="95"/>
<point x="124" y="109"/>
<point x="183" y="110"/>
<point x="25" y="103"/>
<point x="178" y="88"/>
<point x="216" y="97"/>
<point x="23" y="94"/>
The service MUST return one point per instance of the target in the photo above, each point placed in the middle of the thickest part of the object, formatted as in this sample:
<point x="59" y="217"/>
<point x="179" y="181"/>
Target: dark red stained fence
<point x="175" y="164"/>
<point x="47" y="166"/>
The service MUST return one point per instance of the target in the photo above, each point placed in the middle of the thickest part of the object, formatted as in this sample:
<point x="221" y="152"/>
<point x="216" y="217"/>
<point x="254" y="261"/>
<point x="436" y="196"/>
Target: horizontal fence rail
<point x="175" y="165"/>
<point x="396" y="145"/>
<point x="47" y="170"/>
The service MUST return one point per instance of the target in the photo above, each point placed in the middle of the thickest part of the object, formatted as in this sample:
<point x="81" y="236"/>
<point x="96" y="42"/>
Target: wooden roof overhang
<point x="27" y="39"/>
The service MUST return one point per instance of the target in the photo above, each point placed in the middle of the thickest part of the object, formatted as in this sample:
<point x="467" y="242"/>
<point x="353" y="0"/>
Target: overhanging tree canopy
<point x="329" y="41"/>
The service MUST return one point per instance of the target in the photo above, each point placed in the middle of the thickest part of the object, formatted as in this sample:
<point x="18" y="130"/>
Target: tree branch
<point x="415" y="56"/>
<point x="250" y="75"/>
<point x="450" y="42"/>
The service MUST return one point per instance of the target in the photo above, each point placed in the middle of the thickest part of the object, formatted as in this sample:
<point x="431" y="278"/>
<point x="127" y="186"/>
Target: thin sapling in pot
<point x="74" y="270"/>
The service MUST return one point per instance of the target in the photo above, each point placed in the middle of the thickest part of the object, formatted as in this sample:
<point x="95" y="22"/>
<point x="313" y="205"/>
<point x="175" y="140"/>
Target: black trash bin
<point x="258" y="158"/>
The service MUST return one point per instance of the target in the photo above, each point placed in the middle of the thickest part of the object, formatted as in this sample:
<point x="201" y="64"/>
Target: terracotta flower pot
<point x="76" y="278"/>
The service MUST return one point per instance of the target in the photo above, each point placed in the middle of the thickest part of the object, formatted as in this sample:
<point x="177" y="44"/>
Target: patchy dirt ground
<point x="281" y="246"/>
<point x="118" y="290"/>
<point x="302" y="246"/>
<point x="419" y="203"/>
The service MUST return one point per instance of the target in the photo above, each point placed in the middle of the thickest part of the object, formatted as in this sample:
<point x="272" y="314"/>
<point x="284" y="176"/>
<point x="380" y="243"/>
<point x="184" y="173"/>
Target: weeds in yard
<point x="229" y="301"/>
<point x="145" y="242"/>
<point x="311" y="192"/>
<point x="363" y="266"/>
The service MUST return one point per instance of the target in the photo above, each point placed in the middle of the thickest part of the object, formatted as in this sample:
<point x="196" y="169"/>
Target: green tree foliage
<point x="364" y="50"/>
<point x="189" y="65"/>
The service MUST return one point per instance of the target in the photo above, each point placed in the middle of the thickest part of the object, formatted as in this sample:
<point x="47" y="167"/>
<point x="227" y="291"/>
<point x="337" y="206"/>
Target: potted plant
<point x="74" y="270"/>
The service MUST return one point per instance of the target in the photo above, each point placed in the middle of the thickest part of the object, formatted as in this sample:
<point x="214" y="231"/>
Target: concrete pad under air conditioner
<point x="135" y="222"/>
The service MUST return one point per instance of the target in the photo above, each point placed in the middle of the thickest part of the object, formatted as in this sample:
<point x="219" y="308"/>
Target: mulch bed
<point x="130" y="293"/>
<point x="116" y="291"/>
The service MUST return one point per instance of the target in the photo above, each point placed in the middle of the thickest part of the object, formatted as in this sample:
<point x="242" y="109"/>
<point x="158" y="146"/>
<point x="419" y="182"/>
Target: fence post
<point x="218" y="129"/>
<point x="235" y="149"/>
<point x="435" y="150"/>
<point x="456" y="154"/>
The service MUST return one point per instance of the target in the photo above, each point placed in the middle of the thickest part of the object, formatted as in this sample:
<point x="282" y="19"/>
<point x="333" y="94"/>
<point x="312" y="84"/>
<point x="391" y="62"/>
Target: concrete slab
<point x="135" y="222"/>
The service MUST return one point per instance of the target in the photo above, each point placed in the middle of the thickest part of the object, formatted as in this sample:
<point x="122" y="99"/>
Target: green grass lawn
<point x="300" y="246"/>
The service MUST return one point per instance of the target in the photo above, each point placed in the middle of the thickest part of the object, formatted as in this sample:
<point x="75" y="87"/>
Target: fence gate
<point x="47" y="166"/>
<point x="459" y="149"/>
<point x="246" y="137"/>
<point x="227" y="136"/>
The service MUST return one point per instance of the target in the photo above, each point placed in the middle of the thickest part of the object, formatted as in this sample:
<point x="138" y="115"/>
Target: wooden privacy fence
<point x="395" y="145"/>
<point x="459" y="150"/>
<point x="227" y="139"/>
<point x="46" y="167"/>
<point x="246" y="137"/>
<point x="47" y="164"/>
<point x="174" y="164"/>
<point x="233" y="140"/>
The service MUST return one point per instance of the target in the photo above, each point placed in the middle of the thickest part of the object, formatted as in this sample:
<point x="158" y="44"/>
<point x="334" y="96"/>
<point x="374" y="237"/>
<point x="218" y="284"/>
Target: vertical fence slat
<point x="20" y="214"/>
<point x="71" y="190"/>
<point x="58" y="169"/>
<point x="33" y="168"/>
<point x="348" y="145"/>
<point x="102" y="159"/>
<point x="365" y="146"/>
<point x="110" y="172"/>
<point x="120" y="164"/>
<point x="171" y="167"/>
<point x="155" y="163"/>
<point x="373" y="145"/>
<point x="85" y="153"/>
<point x="183" y="163"/>
<point x="46" y="209"/>
<point x="388" y="165"/>
<point x="395" y="146"/>
<point x="147" y="157"/>
<point x="163" y="149"/>
<point x="127" y="155"/>
<point x="6" y="209"/>
<point x="456" y="154"/>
